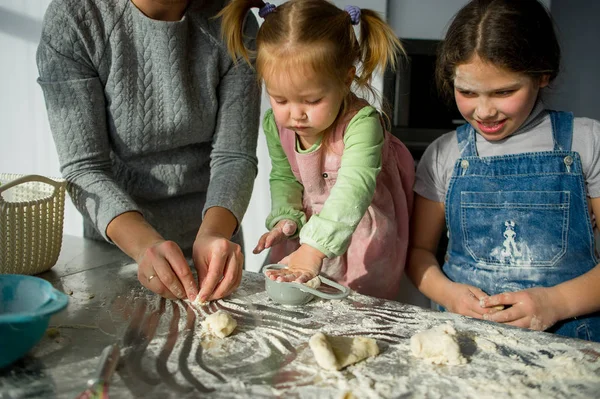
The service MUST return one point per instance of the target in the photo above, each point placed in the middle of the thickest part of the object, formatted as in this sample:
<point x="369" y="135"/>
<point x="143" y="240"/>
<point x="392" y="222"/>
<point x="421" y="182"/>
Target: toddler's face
<point x="305" y="103"/>
<point x="493" y="100"/>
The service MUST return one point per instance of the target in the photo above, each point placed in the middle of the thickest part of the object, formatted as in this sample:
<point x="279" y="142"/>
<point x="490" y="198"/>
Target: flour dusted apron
<point x="521" y="221"/>
<point x="374" y="261"/>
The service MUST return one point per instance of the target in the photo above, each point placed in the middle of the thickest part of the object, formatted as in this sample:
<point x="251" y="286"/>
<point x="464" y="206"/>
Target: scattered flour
<point x="485" y="344"/>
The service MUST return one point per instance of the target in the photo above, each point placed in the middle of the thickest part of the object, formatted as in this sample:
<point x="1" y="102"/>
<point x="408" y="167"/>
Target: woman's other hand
<point x="283" y="229"/>
<point x="218" y="260"/>
<point x="302" y="265"/>
<point x="219" y="263"/>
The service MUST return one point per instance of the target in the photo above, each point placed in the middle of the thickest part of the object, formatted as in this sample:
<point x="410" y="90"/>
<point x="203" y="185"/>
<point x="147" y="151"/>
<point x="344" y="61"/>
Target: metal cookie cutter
<point x="298" y="294"/>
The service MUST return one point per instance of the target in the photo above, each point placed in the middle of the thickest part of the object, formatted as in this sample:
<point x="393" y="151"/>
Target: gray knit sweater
<point x="148" y="115"/>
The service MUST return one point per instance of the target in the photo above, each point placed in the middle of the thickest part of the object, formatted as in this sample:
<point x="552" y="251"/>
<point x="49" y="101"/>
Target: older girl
<point x="516" y="186"/>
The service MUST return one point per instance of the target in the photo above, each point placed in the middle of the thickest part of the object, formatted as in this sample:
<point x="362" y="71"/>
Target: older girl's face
<point x="306" y="103"/>
<point x="495" y="101"/>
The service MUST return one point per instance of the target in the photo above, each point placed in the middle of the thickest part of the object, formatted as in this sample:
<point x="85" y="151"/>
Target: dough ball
<point x="314" y="283"/>
<point x="219" y="324"/>
<point x="497" y="307"/>
<point x="335" y="353"/>
<point x="437" y="345"/>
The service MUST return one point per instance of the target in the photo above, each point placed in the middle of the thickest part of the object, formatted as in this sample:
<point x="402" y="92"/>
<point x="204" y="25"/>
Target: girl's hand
<point x="465" y="300"/>
<point x="303" y="264"/>
<point x="532" y="308"/>
<point x="282" y="230"/>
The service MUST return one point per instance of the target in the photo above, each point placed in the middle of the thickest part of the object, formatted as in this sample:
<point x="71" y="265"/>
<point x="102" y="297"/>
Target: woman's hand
<point x="162" y="268"/>
<point x="303" y="264"/>
<point x="465" y="300"/>
<point x="532" y="308"/>
<point x="219" y="263"/>
<point x="283" y="229"/>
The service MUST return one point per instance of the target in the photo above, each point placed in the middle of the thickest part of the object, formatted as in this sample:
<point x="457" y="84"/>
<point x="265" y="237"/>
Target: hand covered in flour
<point x="282" y="231"/>
<point x="465" y="300"/>
<point x="531" y="308"/>
<point x="302" y="265"/>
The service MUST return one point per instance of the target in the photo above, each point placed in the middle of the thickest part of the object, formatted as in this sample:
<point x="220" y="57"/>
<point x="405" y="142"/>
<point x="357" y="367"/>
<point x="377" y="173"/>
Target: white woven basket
<point x="31" y="222"/>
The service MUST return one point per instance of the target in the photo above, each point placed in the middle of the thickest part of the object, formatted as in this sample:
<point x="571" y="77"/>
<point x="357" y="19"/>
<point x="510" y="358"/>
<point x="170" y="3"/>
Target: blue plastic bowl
<point x="26" y="304"/>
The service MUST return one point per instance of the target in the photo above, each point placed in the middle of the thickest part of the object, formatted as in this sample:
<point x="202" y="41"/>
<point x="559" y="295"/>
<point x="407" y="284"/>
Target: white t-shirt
<point x="437" y="163"/>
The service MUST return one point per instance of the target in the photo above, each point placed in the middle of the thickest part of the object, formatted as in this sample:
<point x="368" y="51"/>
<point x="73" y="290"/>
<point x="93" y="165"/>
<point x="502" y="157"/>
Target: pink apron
<point x="374" y="262"/>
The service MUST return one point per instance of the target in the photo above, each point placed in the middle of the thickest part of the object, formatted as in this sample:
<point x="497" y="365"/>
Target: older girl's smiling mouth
<point x="491" y="127"/>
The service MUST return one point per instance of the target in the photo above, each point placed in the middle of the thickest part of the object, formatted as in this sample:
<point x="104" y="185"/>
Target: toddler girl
<point x="341" y="186"/>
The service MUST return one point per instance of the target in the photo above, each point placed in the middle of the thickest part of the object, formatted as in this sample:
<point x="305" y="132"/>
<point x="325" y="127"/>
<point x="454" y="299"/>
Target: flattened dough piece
<point x="219" y="324"/>
<point x="335" y="353"/>
<point x="437" y="345"/>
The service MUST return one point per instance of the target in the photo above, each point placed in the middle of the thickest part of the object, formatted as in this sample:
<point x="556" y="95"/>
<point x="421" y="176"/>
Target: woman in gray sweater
<point x="156" y="131"/>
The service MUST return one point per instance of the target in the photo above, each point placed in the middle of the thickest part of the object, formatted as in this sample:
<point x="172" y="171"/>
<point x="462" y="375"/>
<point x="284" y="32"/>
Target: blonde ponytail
<point x="378" y="46"/>
<point x="232" y="27"/>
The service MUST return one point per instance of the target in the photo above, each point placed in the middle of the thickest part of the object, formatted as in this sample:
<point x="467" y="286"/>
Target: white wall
<point x="424" y="19"/>
<point x="26" y="144"/>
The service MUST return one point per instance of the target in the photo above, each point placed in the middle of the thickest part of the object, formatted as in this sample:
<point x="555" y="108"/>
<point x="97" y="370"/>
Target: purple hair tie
<point x="266" y="10"/>
<point x="354" y="14"/>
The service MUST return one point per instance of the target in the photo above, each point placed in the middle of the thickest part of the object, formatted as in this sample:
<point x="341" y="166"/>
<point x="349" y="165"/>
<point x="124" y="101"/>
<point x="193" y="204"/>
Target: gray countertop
<point x="163" y="353"/>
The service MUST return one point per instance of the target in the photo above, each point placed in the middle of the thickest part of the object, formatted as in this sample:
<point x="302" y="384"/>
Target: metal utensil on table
<point x="98" y="385"/>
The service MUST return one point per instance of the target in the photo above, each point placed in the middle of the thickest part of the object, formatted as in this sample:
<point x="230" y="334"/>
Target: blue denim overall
<point x="520" y="221"/>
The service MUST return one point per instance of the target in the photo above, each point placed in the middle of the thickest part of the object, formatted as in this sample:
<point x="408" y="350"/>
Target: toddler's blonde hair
<point x="313" y="36"/>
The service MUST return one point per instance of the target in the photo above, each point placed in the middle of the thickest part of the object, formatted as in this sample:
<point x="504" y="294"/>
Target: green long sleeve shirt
<point x="329" y="231"/>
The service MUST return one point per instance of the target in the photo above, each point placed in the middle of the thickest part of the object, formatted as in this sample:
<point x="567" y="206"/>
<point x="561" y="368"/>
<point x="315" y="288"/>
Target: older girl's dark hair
<point x="517" y="35"/>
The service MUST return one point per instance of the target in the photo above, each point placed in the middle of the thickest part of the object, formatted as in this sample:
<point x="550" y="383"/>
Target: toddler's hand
<point x="303" y="264"/>
<point x="465" y="300"/>
<point x="531" y="308"/>
<point x="282" y="230"/>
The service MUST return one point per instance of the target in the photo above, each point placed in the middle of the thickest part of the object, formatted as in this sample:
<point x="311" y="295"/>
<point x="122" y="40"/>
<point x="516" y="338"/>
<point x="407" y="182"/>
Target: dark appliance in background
<point x="418" y="115"/>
